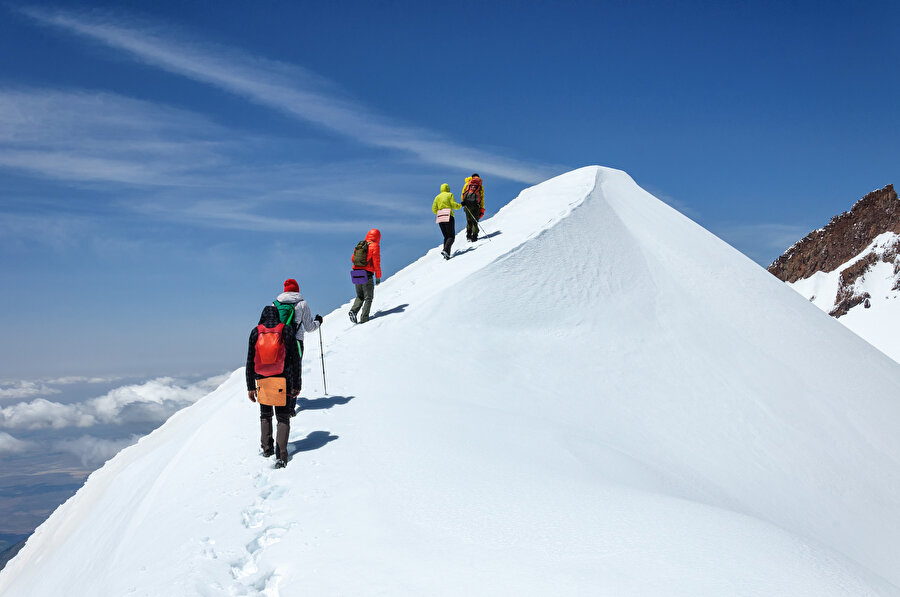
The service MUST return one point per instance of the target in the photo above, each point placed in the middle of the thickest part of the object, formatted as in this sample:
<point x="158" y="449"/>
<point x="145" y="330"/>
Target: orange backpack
<point x="473" y="189"/>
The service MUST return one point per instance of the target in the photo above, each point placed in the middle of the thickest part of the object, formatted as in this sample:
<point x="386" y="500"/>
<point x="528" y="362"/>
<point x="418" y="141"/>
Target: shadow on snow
<point x="313" y="441"/>
<point x="391" y="311"/>
<point x="322" y="403"/>
<point x="472" y="247"/>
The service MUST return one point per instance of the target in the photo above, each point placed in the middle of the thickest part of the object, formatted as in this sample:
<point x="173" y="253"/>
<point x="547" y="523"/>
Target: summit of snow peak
<point x="597" y="397"/>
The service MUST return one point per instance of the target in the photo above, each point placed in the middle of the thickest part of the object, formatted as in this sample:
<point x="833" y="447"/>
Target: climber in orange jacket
<point x="367" y="258"/>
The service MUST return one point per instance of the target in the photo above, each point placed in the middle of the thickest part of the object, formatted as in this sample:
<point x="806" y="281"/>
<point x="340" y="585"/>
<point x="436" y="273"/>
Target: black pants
<point x="472" y="212"/>
<point x="283" y="416"/>
<point x="448" y="229"/>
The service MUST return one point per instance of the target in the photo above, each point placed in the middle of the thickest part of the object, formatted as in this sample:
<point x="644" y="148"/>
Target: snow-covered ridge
<point x="602" y="398"/>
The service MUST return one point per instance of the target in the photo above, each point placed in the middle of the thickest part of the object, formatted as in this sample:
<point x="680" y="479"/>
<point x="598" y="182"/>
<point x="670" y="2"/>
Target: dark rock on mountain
<point x="843" y="238"/>
<point x="847" y="297"/>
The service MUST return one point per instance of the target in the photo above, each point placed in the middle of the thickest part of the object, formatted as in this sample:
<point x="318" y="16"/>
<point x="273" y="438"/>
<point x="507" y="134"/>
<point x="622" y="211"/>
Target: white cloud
<point x="42" y="414"/>
<point x="93" y="451"/>
<point x="154" y="400"/>
<point x="288" y="89"/>
<point x="24" y="389"/>
<point x="43" y="387"/>
<point x="151" y="401"/>
<point x="73" y="379"/>
<point x="11" y="445"/>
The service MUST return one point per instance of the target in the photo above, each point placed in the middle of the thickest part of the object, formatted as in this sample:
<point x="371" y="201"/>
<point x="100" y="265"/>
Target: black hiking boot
<point x="352" y="316"/>
<point x="280" y="463"/>
<point x="445" y="254"/>
<point x="268" y="452"/>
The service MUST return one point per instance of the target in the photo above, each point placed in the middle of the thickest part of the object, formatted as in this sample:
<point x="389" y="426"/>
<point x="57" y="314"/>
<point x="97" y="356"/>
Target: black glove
<point x="318" y="319"/>
<point x="377" y="281"/>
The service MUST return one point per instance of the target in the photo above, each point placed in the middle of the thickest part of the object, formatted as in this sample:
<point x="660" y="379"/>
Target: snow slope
<point x="601" y="399"/>
<point x="878" y="324"/>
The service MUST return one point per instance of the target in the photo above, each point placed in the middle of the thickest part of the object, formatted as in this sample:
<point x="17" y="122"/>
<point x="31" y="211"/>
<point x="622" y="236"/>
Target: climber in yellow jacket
<point x="443" y="207"/>
<point x="473" y="201"/>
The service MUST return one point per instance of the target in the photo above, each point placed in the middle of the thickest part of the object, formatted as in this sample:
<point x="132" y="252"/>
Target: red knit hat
<point x="290" y="285"/>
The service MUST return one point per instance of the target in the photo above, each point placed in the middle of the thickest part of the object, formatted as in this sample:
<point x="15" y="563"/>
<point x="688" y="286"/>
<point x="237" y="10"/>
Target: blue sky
<point x="164" y="166"/>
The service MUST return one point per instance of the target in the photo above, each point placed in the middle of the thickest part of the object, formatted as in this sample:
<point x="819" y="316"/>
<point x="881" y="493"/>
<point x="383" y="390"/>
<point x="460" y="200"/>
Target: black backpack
<point x="361" y="254"/>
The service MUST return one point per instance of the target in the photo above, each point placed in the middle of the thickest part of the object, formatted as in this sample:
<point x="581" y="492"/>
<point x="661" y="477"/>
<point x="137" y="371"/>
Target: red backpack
<point x="473" y="188"/>
<point x="270" y="351"/>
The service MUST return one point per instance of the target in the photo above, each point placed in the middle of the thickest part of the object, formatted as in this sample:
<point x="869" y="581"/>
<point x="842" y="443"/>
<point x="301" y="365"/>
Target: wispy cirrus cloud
<point x="762" y="242"/>
<point x="104" y="137"/>
<point x="175" y="165"/>
<point x="289" y="89"/>
<point x="284" y="198"/>
<point x="769" y="235"/>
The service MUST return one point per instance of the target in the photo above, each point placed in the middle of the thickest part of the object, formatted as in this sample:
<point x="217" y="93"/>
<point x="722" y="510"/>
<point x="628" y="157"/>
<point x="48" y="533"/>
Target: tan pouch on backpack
<point x="271" y="391"/>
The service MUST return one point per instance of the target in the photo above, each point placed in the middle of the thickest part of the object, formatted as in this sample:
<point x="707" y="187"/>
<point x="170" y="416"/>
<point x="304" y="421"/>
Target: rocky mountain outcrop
<point x="842" y="239"/>
<point x="849" y="238"/>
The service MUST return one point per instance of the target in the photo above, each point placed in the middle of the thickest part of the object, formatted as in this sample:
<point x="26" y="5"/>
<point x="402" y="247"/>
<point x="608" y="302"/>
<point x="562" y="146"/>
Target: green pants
<point x="364" y="295"/>
<point x="472" y="210"/>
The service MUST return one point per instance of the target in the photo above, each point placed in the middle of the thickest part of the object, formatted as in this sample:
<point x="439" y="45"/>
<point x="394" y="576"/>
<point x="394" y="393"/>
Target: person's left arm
<point x="306" y="318"/>
<point x="291" y="363"/>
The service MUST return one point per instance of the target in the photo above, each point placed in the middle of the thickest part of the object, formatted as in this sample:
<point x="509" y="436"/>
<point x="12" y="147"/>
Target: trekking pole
<point x="477" y="223"/>
<point x="322" y="354"/>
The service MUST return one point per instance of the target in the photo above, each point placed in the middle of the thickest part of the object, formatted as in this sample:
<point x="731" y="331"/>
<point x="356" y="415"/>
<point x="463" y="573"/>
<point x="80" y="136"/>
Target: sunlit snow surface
<point x="601" y="399"/>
